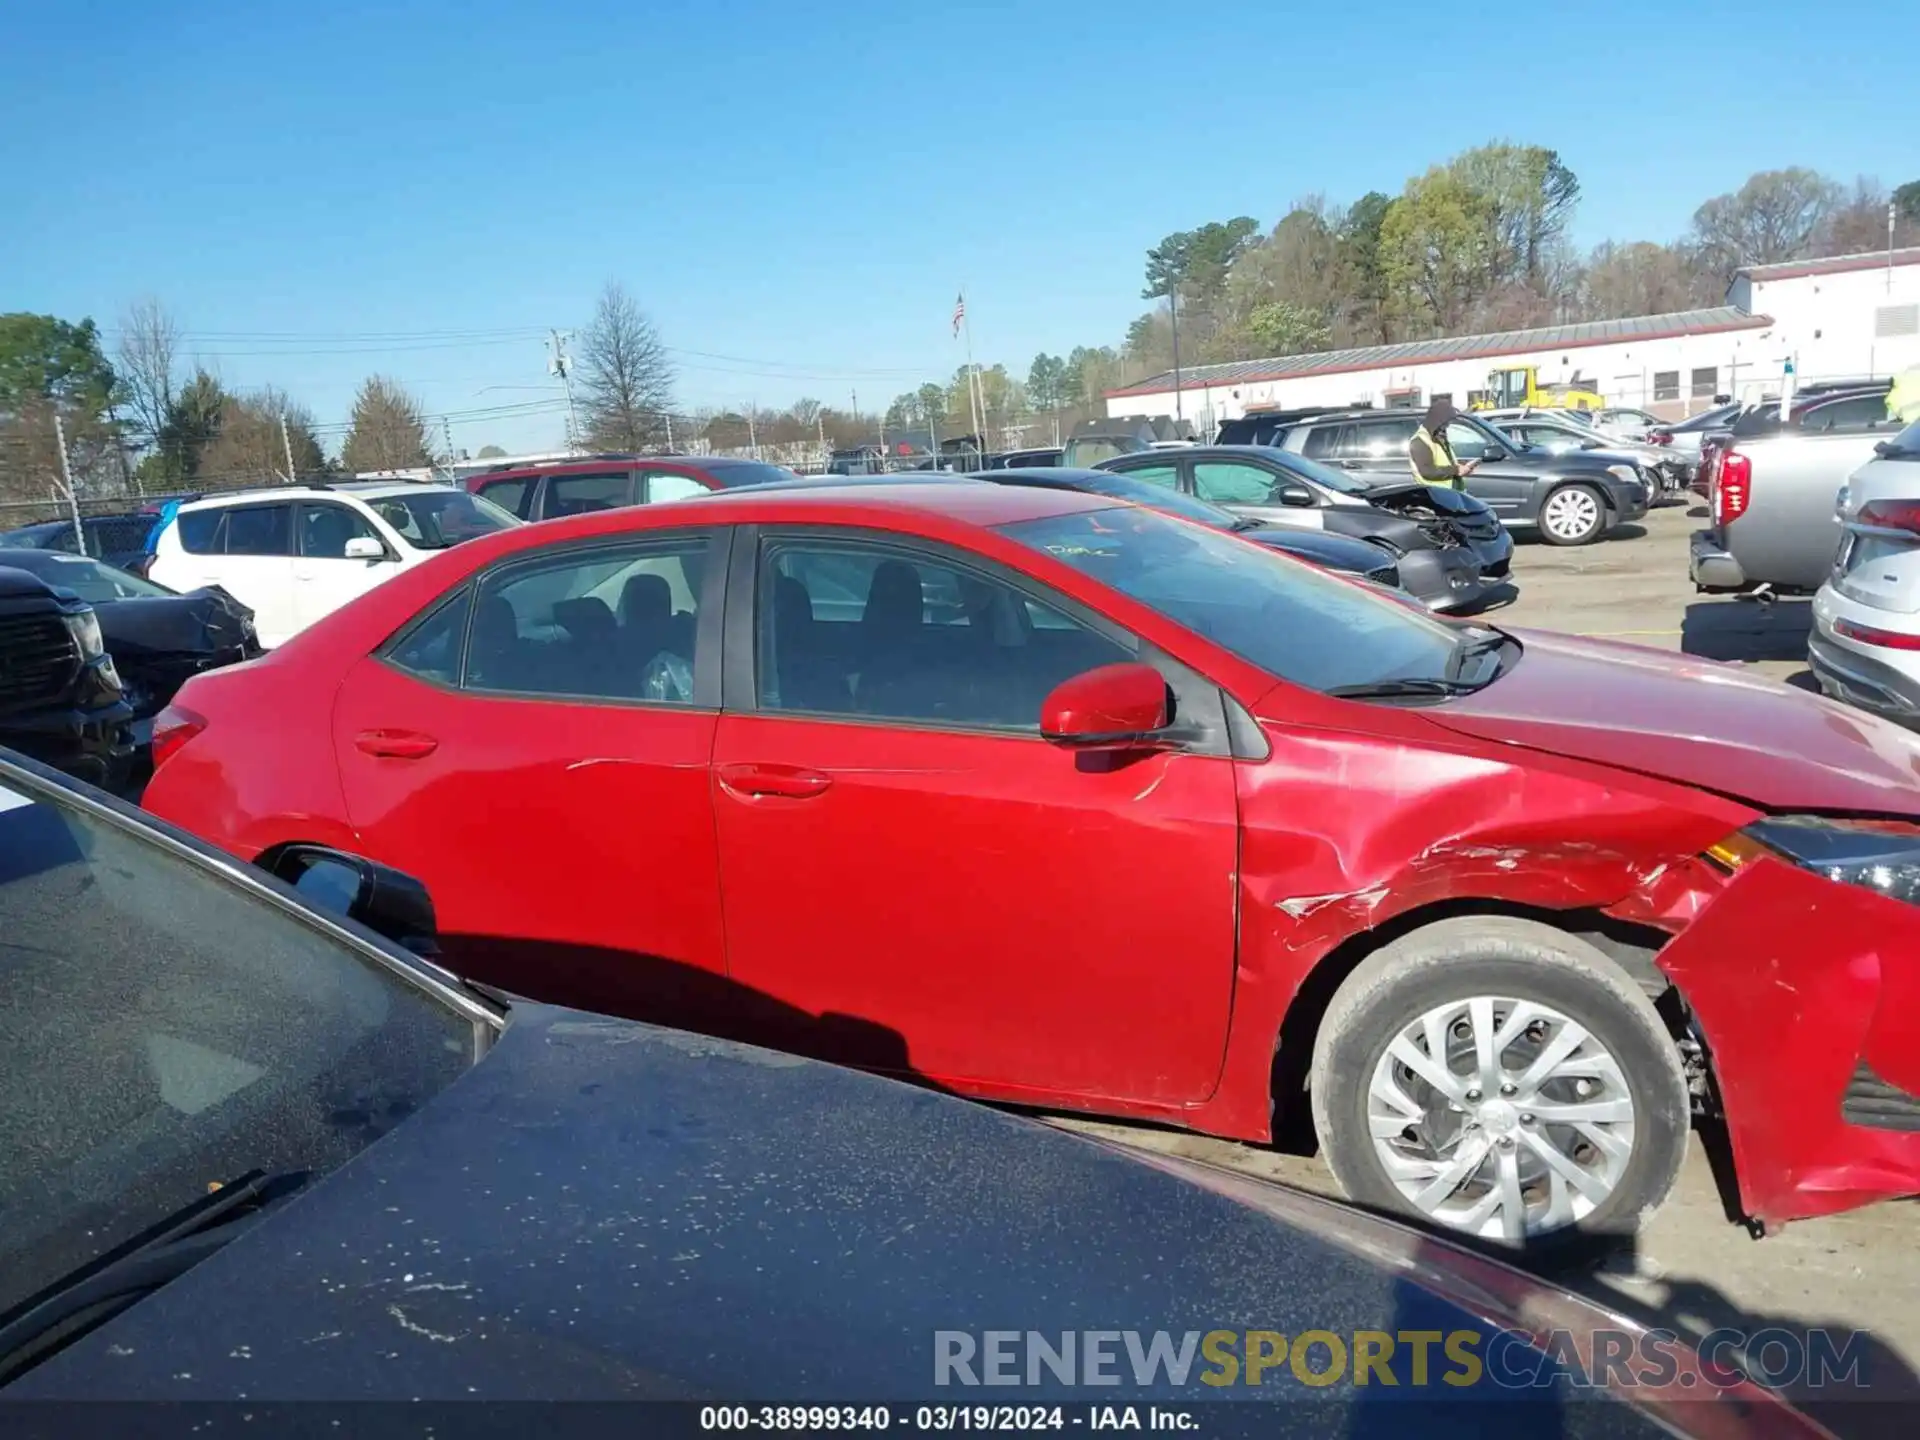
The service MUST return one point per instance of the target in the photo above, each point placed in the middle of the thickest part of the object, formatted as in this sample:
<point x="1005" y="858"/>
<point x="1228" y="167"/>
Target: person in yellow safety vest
<point x="1431" y="455"/>
<point x="1903" y="401"/>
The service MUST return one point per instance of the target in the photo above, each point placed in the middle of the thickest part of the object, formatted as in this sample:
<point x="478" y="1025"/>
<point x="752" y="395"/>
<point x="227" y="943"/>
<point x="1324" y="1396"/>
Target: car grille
<point x="38" y="656"/>
<point x="1872" y="1102"/>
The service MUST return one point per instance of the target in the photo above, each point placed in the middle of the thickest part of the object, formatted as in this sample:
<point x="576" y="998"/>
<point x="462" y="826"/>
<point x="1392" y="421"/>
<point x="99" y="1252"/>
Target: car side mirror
<point x="1114" y="707"/>
<point x="364" y="547"/>
<point x="1298" y="496"/>
<point x="388" y="902"/>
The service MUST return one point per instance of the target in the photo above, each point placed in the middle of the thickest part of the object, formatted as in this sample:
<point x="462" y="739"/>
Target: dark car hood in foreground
<point x="603" y="1210"/>
<point x="1697" y="722"/>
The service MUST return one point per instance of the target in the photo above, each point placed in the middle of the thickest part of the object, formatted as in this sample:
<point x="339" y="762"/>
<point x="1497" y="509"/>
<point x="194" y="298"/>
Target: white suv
<point x="294" y="553"/>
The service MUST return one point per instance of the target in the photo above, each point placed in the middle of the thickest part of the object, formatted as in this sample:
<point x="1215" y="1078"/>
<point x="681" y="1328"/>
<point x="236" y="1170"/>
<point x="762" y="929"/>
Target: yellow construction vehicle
<point x="1520" y="388"/>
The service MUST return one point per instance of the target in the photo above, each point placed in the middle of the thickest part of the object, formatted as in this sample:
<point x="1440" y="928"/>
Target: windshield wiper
<point x="1388" y="689"/>
<point x="101" y="1289"/>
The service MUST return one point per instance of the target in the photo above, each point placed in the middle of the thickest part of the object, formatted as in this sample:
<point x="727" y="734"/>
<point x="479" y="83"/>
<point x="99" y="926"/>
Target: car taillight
<point x="1732" y="486"/>
<point x="1891" y="515"/>
<point x="1867" y="635"/>
<point x="173" y="727"/>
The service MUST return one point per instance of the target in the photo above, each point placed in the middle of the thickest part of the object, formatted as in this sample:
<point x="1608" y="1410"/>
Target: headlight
<point x="1624" y="472"/>
<point x="1882" y="856"/>
<point x="85" y="626"/>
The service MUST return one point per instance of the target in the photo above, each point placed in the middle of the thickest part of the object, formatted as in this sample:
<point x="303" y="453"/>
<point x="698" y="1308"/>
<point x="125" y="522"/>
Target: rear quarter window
<point x="199" y="531"/>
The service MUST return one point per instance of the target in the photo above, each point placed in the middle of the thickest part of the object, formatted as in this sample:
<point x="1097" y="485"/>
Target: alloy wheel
<point x="1502" y="1118"/>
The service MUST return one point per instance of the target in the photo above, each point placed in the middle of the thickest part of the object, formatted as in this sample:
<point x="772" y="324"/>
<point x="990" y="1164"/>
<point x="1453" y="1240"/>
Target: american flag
<point x="959" y="313"/>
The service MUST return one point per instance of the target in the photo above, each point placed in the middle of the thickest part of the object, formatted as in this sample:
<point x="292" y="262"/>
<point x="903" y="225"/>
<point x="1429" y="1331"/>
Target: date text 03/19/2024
<point x="944" y="1418"/>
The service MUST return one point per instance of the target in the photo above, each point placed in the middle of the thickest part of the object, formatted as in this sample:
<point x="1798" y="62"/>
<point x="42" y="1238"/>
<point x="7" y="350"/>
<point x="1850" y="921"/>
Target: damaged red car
<point x="1051" y="800"/>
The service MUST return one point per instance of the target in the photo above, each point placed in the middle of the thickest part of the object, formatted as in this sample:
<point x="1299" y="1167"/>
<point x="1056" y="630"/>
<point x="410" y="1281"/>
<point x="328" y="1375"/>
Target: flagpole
<point x="973" y="374"/>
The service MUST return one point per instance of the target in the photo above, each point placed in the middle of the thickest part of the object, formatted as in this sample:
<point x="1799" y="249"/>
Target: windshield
<point x="166" y="1030"/>
<point x="1904" y="446"/>
<point x="1155" y="497"/>
<point x="90" y="579"/>
<point x="439" y="517"/>
<point x="1338" y="481"/>
<point x="1306" y="627"/>
<point x="750" y="472"/>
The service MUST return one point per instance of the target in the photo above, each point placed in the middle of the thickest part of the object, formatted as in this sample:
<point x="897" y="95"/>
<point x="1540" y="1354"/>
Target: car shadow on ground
<point x="1848" y="1380"/>
<point x="1745" y="630"/>
<point x="646" y="988"/>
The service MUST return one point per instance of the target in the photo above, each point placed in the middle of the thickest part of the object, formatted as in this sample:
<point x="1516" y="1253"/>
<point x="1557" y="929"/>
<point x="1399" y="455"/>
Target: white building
<point x="1852" y="315"/>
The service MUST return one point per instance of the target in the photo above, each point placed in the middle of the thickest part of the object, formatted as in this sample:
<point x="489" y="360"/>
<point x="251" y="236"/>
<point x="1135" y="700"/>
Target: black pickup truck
<point x="60" y="697"/>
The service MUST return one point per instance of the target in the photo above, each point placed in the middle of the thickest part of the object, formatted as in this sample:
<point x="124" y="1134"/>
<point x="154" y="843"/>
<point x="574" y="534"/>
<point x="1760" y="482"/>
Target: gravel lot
<point x="1695" y="1271"/>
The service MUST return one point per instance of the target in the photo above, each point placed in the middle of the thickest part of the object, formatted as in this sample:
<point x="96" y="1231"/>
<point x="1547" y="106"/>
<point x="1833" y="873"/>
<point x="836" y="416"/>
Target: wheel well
<point x="1632" y="947"/>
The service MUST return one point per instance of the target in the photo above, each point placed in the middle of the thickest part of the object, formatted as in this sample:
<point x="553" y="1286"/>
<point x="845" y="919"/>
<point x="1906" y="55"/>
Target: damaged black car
<point x="60" y="696"/>
<point x="159" y="639"/>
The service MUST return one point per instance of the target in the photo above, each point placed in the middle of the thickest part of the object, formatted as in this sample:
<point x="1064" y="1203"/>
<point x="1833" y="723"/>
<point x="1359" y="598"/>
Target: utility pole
<point x="1891" y="215"/>
<point x="286" y="447"/>
<point x="66" y="474"/>
<point x="1173" y="312"/>
<point x="561" y="364"/>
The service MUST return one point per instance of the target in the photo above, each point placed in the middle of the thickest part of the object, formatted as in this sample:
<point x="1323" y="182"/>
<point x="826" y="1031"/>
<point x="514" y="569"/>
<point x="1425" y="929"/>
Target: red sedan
<point x="1051" y="800"/>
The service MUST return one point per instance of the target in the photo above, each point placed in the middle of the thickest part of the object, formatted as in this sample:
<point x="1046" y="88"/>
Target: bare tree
<point x="149" y="340"/>
<point x="389" y="432"/>
<point x="626" y="380"/>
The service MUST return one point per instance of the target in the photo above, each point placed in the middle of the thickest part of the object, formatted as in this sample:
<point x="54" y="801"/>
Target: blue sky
<point x="796" y="192"/>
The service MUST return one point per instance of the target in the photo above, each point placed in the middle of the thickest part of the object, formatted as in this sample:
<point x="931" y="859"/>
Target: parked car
<point x="549" y="490"/>
<point x="1624" y="421"/>
<point x="1568" y="499"/>
<point x="1450" y="550"/>
<point x="1028" y="459"/>
<point x="1771" y="488"/>
<point x="60" y="697"/>
<point x="293" y="1160"/>
<point x="1684" y="437"/>
<point x="1670" y="471"/>
<point x="1043" y="798"/>
<point x="1367" y="559"/>
<point x="120" y="540"/>
<point x="295" y="553"/>
<point x="156" y="636"/>
<point x="1865" y="647"/>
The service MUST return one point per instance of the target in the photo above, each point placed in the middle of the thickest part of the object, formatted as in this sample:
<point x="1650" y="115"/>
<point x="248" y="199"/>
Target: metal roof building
<point x="1842" y="315"/>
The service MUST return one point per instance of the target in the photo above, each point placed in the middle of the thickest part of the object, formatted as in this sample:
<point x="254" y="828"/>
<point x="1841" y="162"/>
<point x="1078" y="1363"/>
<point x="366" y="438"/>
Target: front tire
<point x="1573" y="515"/>
<point x="1502" y="1079"/>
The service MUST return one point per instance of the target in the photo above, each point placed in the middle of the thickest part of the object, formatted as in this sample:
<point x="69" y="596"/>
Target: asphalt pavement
<point x="1695" y="1271"/>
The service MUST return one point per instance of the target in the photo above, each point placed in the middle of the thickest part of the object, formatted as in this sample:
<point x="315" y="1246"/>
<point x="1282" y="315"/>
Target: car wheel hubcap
<point x="1572" y="513"/>
<point x="1499" y="1117"/>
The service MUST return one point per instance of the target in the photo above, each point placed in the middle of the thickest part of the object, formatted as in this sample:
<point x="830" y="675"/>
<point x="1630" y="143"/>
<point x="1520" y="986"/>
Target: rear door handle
<point x="396" y="744"/>
<point x="787" y="781"/>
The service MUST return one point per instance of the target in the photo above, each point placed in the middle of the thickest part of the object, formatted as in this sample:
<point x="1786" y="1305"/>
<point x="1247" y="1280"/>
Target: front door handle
<point x="396" y="744"/>
<point x="787" y="781"/>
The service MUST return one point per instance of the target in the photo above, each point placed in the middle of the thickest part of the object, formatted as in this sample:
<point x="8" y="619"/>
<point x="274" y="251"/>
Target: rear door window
<point x="584" y="494"/>
<point x="260" y="530"/>
<point x="199" y="531"/>
<point x="515" y="496"/>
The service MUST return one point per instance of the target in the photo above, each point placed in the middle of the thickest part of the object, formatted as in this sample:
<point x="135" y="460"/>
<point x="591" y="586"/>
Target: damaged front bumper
<point x="1807" y="993"/>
